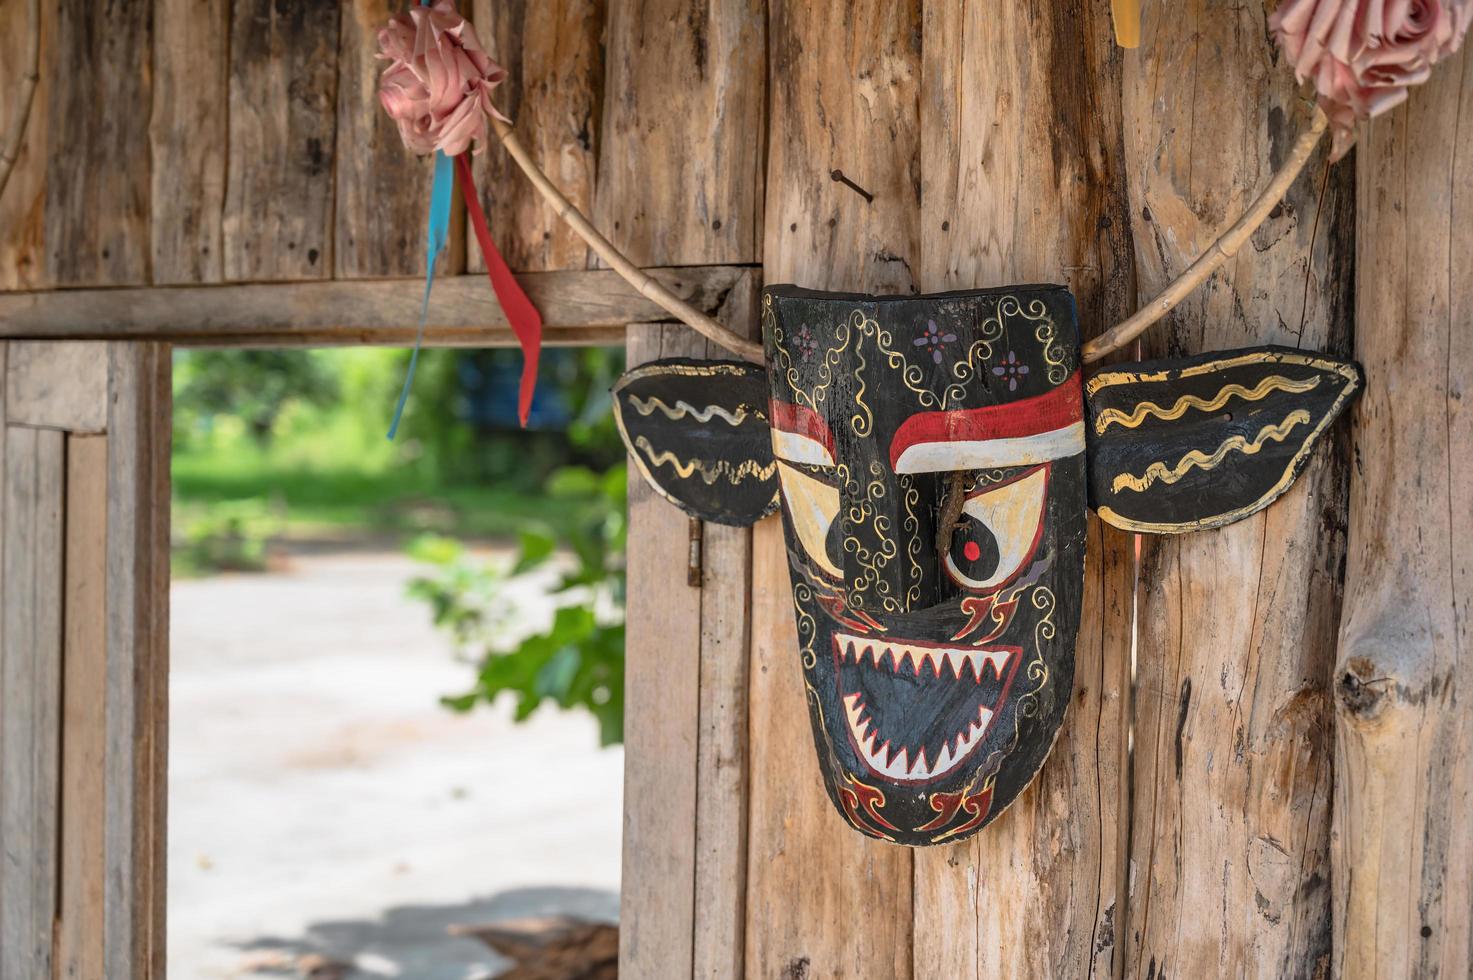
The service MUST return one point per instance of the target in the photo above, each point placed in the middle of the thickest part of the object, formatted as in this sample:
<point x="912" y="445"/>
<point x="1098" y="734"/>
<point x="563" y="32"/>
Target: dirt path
<point x="321" y="801"/>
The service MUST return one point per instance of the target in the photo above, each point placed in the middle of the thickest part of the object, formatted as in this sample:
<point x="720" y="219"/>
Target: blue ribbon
<point x="440" y="194"/>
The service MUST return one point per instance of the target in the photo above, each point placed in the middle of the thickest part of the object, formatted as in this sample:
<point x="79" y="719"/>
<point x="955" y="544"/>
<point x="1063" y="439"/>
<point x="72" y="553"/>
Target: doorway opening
<point x="396" y="668"/>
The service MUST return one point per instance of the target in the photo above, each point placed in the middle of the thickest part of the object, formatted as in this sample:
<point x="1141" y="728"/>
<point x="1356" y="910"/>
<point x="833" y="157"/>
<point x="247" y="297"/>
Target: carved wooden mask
<point x="933" y="457"/>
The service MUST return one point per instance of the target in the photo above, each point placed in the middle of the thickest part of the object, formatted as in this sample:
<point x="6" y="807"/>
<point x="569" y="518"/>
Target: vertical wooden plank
<point x="187" y="139"/>
<point x="30" y="684"/>
<point x="79" y="927"/>
<point x="553" y="53"/>
<point x="824" y="901"/>
<point x="137" y="658"/>
<point x="99" y="169"/>
<point x="661" y="707"/>
<point x="721" y="754"/>
<point x="283" y="92"/>
<point x="382" y="189"/>
<point x="703" y="64"/>
<point x="1230" y="835"/>
<point x="1022" y="181"/>
<point x="686" y="87"/>
<point x="23" y="205"/>
<point x="1402" y="858"/>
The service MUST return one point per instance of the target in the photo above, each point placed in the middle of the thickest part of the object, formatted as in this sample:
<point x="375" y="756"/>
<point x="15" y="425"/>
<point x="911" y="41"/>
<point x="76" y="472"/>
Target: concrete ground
<point x="321" y="802"/>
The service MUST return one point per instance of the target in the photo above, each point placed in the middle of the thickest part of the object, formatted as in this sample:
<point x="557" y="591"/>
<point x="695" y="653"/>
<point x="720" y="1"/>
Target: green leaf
<point x="460" y="702"/>
<point x="556" y="676"/>
<point x="573" y="481"/>
<point x="536" y="547"/>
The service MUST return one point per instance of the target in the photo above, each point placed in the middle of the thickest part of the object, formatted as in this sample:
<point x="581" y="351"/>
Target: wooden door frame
<point x="70" y="352"/>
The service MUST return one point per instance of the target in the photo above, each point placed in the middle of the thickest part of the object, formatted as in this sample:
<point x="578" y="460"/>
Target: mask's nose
<point x="888" y="551"/>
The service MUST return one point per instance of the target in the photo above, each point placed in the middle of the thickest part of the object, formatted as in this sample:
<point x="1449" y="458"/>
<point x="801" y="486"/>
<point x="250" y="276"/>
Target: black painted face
<point x="930" y="452"/>
<point x="929" y="455"/>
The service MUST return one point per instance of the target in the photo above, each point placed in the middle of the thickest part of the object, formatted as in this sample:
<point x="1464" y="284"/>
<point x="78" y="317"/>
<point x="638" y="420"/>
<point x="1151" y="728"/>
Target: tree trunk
<point x="1403" y="860"/>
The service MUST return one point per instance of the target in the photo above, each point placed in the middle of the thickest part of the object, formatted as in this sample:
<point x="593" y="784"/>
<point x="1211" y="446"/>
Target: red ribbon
<point x="523" y="317"/>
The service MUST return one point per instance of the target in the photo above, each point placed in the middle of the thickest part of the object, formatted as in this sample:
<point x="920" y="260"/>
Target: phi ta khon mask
<point x="933" y="457"/>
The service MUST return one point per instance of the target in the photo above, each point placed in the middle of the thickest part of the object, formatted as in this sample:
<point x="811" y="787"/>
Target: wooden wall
<point x="210" y="142"/>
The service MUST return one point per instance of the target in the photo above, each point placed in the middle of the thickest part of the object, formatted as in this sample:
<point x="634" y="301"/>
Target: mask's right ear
<point x="1196" y="443"/>
<point x="699" y="433"/>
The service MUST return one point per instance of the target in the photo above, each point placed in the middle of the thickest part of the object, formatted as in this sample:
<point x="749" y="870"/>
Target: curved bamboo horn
<point x="1217" y="253"/>
<point x="1224" y="248"/>
<point x="10" y="148"/>
<point x="633" y="274"/>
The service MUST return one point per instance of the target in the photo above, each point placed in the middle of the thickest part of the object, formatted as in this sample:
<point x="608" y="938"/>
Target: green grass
<point x="348" y="502"/>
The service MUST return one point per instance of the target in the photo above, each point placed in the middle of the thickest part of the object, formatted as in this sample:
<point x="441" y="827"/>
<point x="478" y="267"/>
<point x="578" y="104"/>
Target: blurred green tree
<point x="255" y="386"/>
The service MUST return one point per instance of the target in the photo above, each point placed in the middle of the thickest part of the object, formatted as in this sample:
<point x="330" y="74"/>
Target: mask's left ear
<point x="699" y="434"/>
<point x="1188" y="444"/>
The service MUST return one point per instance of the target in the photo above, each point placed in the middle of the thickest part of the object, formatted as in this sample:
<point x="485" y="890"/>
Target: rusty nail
<point x="838" y="175"/>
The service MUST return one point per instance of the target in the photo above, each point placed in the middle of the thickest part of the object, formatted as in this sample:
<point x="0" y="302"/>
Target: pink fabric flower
<point x="439" y="80"/>
<point x="1363" y="55"/>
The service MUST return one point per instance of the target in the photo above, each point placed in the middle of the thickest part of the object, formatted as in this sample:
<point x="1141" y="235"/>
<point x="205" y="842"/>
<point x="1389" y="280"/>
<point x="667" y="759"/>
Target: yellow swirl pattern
<point x="1197" y="458"/>
<point x="683" y="409"/>
<point x="710" y="472"/>
<point x="1116" y="416"/>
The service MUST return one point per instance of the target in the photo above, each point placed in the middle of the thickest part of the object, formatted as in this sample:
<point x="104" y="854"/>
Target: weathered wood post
<point x="822" y="900"/>
<point x="1403" y="855"/>
<point x="1022" y="181"/>
<point x="1232" y="754"/>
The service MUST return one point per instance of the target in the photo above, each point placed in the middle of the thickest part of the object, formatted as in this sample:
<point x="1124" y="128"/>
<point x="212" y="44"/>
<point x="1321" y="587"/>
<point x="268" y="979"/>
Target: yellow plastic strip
<point x="1127" y="17"/>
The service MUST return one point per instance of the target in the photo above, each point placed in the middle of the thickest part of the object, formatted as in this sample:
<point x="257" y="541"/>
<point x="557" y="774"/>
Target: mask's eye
<point x="813" y="507"/>
<point x="999" y="531"/>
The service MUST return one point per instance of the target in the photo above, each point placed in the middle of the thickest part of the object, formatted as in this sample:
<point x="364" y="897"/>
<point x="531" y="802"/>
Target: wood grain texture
<point x="652" y="182"/>
<point x="662" y="655"/>
<point x="278" y="220"/>
<point x="553" y="53"/>
<point x="187" y="139"/>
<point x="80" y="915"/>
<point x="1403" y="860"/>
<point x="722" y="746"/>
<point x="589" y="306"/>
<point x="1230" y="838"/>
<point x="30" y="685"/>
<point x="99" y="171"/>
<point x="57" y="385"/>
<point x="823" y="901"/>
<point x="23" y="205"/>
<point x="136" y="628"/>
<point x="382" y="189"/>
<point x="1023" y="181"/>
<point x="686" y="85"/>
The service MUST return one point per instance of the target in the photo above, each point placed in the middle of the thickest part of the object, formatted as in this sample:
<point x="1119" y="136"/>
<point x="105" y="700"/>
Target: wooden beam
<point x="685" y="193"/>
<point x="279" y="191"/>
<point x="1403" y="859"/>
<point x="1232" y="750"/>
<point x="57" y="385"/>
<point x="1022" y="181"/>
<point x="80" y="915"/>
<point x="552" y="51"/>
<point x="662" y="676"/>
<point x="137" y="634"/>
<point x="188" y="134"/>
<point x="30" y="685"/>
<point x="578" y="307"/>
<point x="382" y="190"/>
<point x="824" y="901"/>
<point x="99" y="169"/>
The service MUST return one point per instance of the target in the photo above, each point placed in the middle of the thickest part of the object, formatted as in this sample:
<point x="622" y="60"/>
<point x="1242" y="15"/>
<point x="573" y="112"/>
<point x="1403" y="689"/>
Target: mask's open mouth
<point x="916" y="710"/>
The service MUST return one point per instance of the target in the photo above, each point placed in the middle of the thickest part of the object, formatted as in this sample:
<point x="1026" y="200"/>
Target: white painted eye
<point x="813" y="506"/>
<point x="999" y="532"/>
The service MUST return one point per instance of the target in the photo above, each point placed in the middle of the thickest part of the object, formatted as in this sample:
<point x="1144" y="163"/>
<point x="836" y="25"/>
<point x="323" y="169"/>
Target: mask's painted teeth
<point x="888" y="761"/>
<point x="959" y="663"/>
